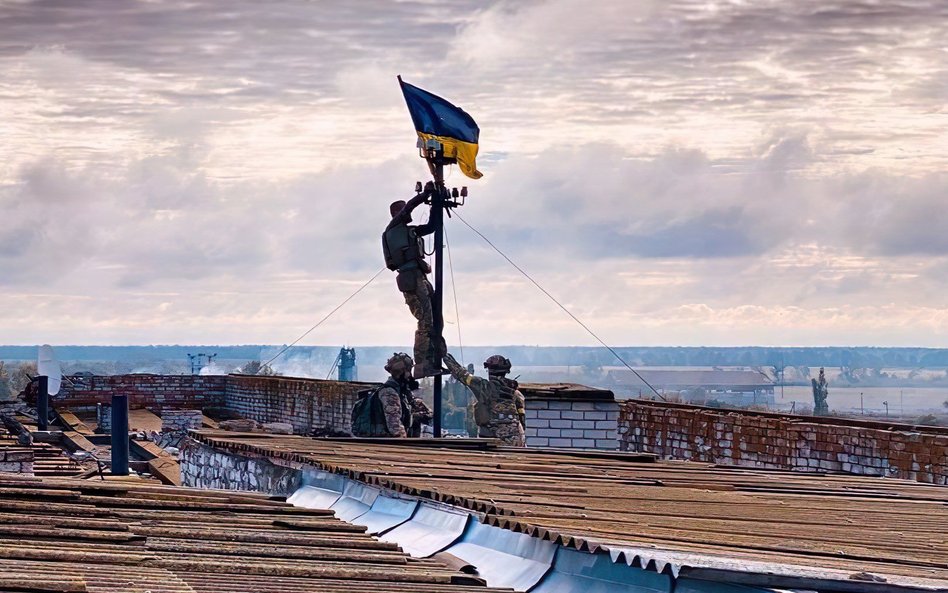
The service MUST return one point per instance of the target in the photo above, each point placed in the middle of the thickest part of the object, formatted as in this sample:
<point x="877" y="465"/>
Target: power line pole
<point x="437" y="301"/>
<point x="441" y="200"/>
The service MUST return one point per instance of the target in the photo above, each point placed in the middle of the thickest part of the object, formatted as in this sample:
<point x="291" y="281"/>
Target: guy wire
<point x="328" y="315"/>
<point x="454" y="289"/>
<point x="333" y="367"/>
<point x="560" y="305"/>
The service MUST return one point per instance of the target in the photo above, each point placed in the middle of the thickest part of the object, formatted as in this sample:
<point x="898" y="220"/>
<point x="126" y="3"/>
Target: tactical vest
<point x="368" y="414"/>
<point x="402" y="247"/>
<point x="501" y="399"/>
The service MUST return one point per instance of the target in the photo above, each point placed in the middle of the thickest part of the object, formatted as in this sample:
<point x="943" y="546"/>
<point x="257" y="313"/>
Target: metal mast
<point x="441" y="201"/>
<point x="437" y="300"/>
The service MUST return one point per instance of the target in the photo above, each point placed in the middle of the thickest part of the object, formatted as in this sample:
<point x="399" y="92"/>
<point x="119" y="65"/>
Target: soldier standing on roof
<point x="403" y="247"/>
<point x="499" y="407"/>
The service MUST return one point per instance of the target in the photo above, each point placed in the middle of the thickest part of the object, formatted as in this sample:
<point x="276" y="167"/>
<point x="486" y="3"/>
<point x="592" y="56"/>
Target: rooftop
<point x="804" y="527"/>
<point x="71" y="536"/>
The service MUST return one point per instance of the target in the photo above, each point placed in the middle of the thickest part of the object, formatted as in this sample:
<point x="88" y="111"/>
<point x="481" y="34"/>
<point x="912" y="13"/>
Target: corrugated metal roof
<point x="838" y="525"/>
<point x="59" y="535"/>
<point x="46" y="459"/>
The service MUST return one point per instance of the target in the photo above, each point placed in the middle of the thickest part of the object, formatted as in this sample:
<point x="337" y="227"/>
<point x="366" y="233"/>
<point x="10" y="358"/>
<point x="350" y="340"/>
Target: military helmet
<point x="399" y="362"/>
<point x="497" y="364"/>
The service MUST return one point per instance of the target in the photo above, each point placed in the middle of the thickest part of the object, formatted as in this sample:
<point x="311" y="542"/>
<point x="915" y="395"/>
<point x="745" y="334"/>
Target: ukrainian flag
<point x="435" y="118"/>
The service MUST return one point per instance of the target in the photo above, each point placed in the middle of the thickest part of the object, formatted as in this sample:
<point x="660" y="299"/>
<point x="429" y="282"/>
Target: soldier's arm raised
<point x="404" y="215"/>
<point x="460" y="373"/>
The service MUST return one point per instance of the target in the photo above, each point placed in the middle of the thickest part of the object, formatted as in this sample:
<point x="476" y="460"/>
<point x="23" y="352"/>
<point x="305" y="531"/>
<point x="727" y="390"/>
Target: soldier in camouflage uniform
<point x="498" y="410"/>
<point x="396" y="395"/>
<point x="403" y="248"/>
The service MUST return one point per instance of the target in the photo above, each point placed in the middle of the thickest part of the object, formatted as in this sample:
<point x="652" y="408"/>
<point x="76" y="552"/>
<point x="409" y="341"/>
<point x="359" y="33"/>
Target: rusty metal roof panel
<point x="690" y="515"/>
<point x="99" y="537"/>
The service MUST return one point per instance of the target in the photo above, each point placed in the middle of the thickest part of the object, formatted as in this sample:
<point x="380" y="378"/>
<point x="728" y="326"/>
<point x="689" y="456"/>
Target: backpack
<point x="368" y="417"/>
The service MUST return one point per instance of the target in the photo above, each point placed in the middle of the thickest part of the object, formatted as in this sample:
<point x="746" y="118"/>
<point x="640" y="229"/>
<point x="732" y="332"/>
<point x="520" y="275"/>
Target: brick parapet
<point x="572" y="416"/>
<point x="782" y="442"/>
<point x="572" y="424"/>
<point x="155" y="392"/>
<point x="306" y="404"/>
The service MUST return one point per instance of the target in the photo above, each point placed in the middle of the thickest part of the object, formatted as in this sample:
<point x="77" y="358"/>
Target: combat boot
<point x="418" y="371"/>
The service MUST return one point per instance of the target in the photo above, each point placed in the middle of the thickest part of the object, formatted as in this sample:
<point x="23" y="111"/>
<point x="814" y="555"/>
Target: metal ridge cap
<point x="719" y="568"/>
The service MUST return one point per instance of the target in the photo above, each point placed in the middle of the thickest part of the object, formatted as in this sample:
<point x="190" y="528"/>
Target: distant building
<point x="728" y="387"/>
<point x="347" y="364"/>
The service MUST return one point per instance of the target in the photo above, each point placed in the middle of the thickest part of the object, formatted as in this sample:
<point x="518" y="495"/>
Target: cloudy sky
<point x="677" y="172"/>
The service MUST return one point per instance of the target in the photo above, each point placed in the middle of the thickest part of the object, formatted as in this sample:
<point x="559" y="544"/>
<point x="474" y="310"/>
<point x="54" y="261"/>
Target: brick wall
<point x="204" y="467"/>
<point x="180" y="420"/>
<point x="571" y="416"/>
<point x="784" y="442"/>
<point x="557" y="415"/>
<point x="17" y="460"/>
<point x="307" y="404"/>
<point x="154" y="392"/>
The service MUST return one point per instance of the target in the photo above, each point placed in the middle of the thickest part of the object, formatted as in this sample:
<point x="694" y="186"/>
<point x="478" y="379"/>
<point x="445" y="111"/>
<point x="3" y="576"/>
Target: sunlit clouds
<point x="677" y="172"/>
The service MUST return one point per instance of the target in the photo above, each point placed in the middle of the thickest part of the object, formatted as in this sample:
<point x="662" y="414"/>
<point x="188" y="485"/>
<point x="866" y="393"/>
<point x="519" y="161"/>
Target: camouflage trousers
<point x="508" y="433"/>
<point x="419" y="303"/>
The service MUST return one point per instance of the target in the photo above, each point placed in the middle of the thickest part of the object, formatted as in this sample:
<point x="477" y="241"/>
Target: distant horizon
<point x="531" y="355"/>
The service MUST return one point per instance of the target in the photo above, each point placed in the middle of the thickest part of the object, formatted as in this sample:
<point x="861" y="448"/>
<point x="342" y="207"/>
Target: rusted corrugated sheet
<point x="843" y="525"/>
<point x="72" y="536"/>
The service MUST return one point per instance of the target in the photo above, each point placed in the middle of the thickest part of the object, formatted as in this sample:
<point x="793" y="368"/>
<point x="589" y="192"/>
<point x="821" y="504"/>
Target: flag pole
<point x="437" y="300"/>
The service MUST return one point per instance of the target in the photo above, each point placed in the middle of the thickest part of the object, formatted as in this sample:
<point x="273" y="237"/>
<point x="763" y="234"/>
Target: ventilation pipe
<point x="42" y="402"/>
<point x="119" y="435"/>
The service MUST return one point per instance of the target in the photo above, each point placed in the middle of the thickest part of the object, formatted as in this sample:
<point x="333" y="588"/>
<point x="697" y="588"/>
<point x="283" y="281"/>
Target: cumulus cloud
<point x="676" y="172"/>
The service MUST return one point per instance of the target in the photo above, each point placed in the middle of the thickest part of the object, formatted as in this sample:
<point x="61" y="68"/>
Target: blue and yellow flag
<point x="450" y="125"/>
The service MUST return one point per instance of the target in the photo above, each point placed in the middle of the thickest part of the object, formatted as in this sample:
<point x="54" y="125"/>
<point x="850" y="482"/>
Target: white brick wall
<point x="180" y="420"/>
<point x="572" y="424"/>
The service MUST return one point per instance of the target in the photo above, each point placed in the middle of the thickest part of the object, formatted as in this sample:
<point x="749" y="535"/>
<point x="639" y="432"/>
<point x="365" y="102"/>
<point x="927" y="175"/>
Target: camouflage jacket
<point x="397" y="404"/>
<point x="498" y="400"/>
